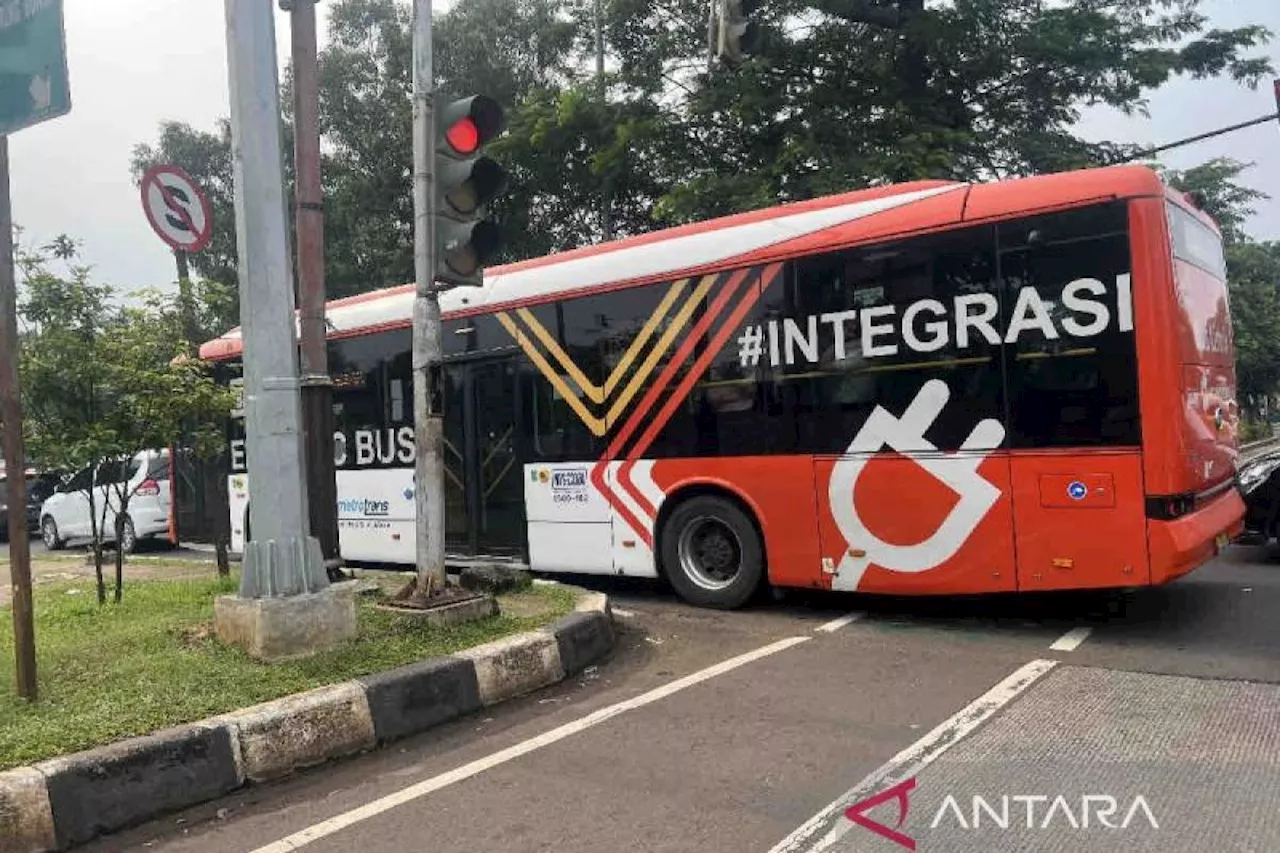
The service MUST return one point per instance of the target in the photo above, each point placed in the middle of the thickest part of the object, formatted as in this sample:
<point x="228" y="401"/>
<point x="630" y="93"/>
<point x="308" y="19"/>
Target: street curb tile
<point x="26" y="818"/>
<point x="69" y="800"/>
<point x="279" y="737"/>
<point x="594" y="602"/>
<point x="582" y="639"/>
<point x="116" y="786"/>
<point x="515" y="665"/>
<point x="416" y="697"/>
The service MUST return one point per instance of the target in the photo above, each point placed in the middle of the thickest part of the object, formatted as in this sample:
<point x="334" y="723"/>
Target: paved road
<point x="755" y="730"/>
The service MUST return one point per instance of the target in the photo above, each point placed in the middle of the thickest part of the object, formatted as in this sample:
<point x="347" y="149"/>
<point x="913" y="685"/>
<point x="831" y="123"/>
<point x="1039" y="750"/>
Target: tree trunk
<point x="119" y="591"/>
<point x="97" y="569"/>
<point x="912" y="64"/>
<point x="95" y="531"/>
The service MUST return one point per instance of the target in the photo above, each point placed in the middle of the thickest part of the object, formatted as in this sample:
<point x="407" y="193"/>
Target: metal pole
<point x="15" y="457"/>
<point x="1138" y="155"/>
<point x="282" y="559"/>
<point x="187" y="299"/>
<point x="317" y="388"/>
<point x="427" y="421"/>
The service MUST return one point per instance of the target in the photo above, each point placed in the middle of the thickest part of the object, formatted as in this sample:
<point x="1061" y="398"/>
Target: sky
<point x="136" y="63"/>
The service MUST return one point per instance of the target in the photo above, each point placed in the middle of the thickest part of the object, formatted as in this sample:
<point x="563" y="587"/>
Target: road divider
<point x="69" y="800"/>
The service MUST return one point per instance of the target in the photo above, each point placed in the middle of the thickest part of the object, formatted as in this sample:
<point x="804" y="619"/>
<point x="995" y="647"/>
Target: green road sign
<point x="34" y="86"/>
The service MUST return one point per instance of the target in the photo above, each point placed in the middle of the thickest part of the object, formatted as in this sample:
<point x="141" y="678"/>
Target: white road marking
<point x="1071" y="640"/>
<point x="913" y="759"/>
<point x="466" y="771"/>
<point x="836" y="624"/>
<point x="625" y="614"/>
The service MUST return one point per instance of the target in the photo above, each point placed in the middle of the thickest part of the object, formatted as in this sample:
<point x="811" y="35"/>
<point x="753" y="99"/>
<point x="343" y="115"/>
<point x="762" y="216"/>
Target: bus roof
<point x="741" y="239"/>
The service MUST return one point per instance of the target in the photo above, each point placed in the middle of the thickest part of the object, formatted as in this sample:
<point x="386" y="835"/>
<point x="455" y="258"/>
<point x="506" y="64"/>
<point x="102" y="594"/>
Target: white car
<point x="65" y="515"/>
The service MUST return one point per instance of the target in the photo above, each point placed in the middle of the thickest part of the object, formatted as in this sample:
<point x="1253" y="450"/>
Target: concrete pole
<point x="24" y="629"/>
<point x="282" y="559"/>
<point x="427" y="421"/>
<point x="317" y="387"/>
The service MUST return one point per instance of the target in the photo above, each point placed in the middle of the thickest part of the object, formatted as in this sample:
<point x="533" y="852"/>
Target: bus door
<point x="488" y="504"/>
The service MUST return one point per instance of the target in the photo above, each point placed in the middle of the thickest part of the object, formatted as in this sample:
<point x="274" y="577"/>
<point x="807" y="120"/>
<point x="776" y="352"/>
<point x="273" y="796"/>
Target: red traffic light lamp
<point x="465" y="182"/>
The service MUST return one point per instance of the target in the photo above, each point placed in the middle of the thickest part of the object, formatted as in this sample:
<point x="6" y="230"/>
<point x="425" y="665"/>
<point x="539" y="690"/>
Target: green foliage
<point x="101" y="382"/>
<point x="152" y="662"/>
<point x="1253" y="272"/>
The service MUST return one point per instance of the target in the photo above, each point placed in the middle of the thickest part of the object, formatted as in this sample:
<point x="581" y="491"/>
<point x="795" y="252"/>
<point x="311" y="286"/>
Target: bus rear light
<point x="149" y="488"/>
<point x="1170" y="507"/>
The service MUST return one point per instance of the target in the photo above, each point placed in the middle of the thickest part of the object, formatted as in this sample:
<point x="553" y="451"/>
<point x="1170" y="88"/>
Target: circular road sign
<point x="176" y="208"/>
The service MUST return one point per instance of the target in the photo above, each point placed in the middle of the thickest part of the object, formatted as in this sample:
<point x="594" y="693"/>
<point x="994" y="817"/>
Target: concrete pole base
<point x="272" y="629"/>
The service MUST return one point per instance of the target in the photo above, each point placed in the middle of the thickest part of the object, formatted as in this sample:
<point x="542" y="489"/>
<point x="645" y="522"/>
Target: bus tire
<point x="711" y="553"/>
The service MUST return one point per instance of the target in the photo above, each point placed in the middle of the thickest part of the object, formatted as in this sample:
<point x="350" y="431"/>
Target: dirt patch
<point x="195" y="636"/>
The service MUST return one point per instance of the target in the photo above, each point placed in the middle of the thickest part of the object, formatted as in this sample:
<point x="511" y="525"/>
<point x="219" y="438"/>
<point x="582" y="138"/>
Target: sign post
<point x="34" y="87"/>
<point x="180" y="214"/>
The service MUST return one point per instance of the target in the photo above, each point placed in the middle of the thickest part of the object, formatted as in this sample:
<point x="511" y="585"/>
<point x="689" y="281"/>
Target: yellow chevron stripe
<point x="596" y="425"/>
<point x="599" y="426"/>
<point x="596" y="393"/>
<point x="660" y="348"/>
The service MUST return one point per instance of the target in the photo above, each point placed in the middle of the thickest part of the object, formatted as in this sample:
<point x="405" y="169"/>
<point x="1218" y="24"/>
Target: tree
<point x="844" y="94"/>
<point x="103" y="382"/>
<point x="1253" y="273"/>
<point x="851" y="93"/>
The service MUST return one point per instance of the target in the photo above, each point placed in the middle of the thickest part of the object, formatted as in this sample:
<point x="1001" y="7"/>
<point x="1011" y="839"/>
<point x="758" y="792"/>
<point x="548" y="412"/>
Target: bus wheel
<point x="711" y="553"/>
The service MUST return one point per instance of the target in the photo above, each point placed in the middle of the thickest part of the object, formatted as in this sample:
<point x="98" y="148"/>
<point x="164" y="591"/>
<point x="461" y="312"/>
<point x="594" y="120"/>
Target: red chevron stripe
<point x="682" y="390"/>
<point x="664" y="379"/>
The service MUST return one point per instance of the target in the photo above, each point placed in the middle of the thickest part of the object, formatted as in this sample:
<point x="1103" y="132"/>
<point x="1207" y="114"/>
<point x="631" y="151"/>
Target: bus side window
<point x="885" y="318"/>
<point x="1072" y="368"/>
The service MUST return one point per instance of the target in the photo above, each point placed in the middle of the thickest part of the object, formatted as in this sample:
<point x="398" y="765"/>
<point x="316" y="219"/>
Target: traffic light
<point x="465" y="182"/>
<point x="735" y="34"/>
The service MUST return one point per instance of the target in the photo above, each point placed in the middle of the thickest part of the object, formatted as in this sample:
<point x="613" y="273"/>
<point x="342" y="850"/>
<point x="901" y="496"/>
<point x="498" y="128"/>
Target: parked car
<point x="1259" y="483"/>
<point x="65" y="515"/>
<point x="40" y="485"/>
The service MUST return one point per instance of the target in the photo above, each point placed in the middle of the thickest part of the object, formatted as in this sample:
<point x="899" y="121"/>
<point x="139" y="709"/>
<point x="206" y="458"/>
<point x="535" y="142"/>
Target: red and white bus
<point x="927" y="388"/>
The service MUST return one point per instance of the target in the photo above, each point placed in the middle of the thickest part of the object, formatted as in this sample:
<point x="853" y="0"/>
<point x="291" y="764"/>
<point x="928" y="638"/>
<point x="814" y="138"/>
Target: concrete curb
<point x="67" y="801"/>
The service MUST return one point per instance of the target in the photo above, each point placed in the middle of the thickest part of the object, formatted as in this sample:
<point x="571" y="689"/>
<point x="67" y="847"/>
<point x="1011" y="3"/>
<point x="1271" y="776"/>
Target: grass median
<point x="117" y="671"/>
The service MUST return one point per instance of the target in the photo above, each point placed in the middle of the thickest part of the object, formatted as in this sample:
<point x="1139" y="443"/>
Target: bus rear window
<point x="1196" y="243"/>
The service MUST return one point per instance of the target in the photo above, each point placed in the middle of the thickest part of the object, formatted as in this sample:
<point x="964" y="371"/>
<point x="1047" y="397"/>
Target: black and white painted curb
<point x="65" y="801"/>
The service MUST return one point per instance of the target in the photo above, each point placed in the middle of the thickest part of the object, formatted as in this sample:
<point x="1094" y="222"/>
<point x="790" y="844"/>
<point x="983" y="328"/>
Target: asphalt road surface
<point x="757" y="730"/>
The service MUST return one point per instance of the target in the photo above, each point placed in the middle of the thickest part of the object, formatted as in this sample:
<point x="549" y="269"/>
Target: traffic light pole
<point x="428" y="421"/>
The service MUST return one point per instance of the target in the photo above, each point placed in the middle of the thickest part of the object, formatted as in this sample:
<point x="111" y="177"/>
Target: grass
<point x="112" y="672"/>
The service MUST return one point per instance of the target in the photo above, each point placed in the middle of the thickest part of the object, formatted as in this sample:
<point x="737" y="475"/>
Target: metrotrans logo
<point x="364" y="506"/>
